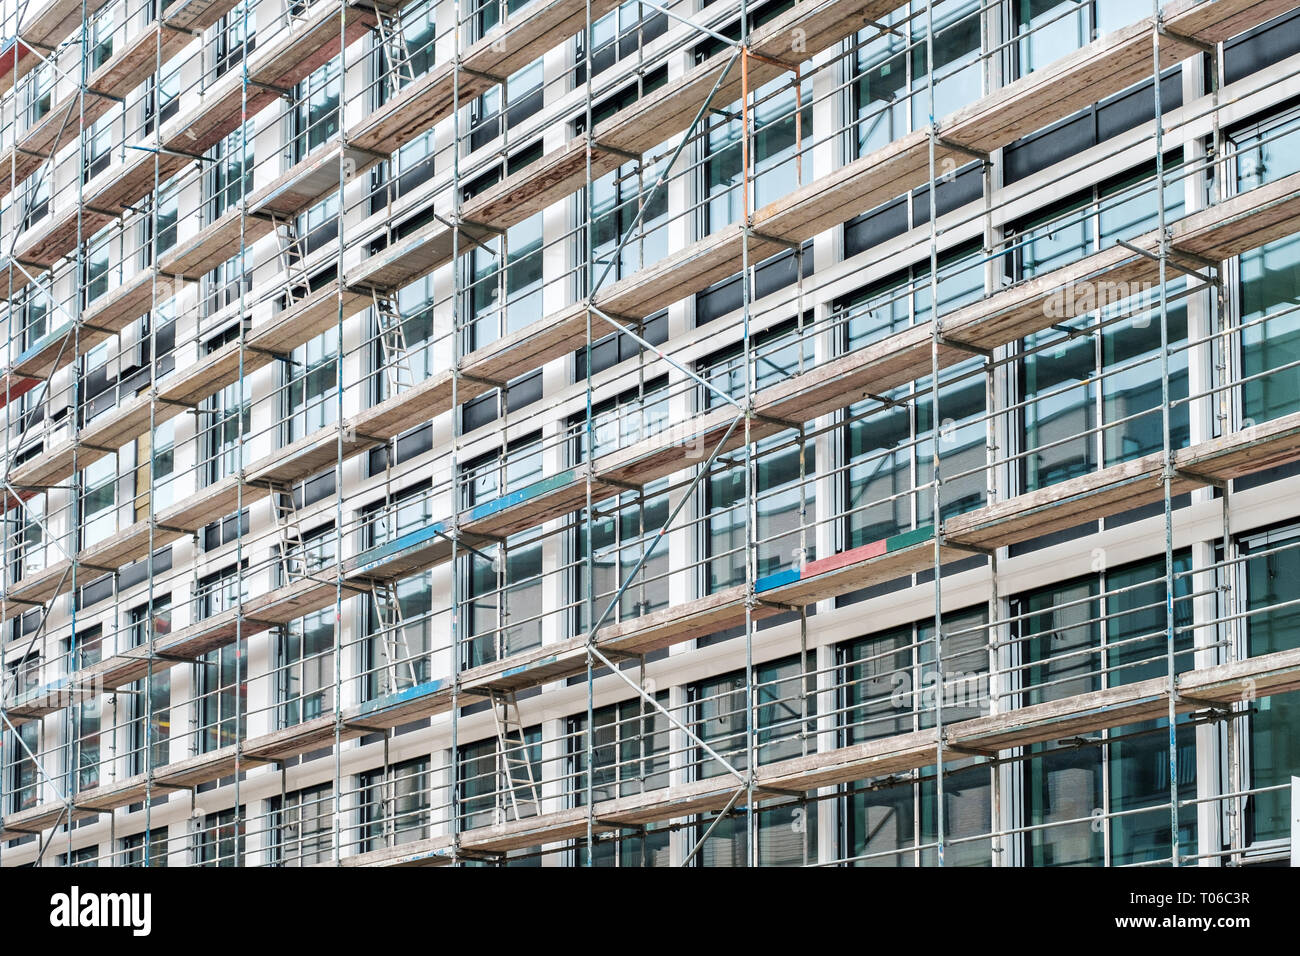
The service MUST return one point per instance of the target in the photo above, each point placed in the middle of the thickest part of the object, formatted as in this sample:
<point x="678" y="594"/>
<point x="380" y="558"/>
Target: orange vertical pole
<point x="798" y="126"/>
<point x="744" y="129"/>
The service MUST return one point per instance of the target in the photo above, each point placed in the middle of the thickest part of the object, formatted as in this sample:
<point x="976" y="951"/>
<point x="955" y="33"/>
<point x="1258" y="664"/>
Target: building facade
<point x="699" y="433"/>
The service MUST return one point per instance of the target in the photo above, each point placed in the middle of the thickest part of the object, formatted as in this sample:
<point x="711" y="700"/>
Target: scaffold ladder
<point x="292" y="259"/>
<point x="293" y="544"/>
<point x="393" y="645"/>
<point x="516" y="767"/>
<point x="294" y="10"/>
<point x="392" y="343"/>
<point x="396" y="54"/>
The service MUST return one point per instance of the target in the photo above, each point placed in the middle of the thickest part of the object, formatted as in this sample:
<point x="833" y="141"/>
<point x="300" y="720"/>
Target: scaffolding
<point x="227" y="409"/>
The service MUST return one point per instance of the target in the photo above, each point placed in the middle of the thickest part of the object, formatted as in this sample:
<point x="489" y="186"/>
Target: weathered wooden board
<point x="48" y="24"/>
<point x="213" y="244"/>
<point x="309" y="180"/>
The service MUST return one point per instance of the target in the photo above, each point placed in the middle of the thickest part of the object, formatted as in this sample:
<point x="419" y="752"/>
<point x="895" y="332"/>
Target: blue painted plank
<point x="510" y="499"/>
<point x="777" y="580"/>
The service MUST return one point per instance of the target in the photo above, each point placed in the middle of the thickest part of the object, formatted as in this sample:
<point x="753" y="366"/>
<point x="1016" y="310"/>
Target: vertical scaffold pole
<point x="589" y="447"/>
<point x="1167" y="471"/>
<point x="76" y="486"/>
<point x="9" y="506"/>
<point x="751" y="547"/>
<point x="146" y="851"/>
<point x="936" y="435"/>
<point x="456" y="332"/>
<point x="338" y="461"/>
<point x="997" y="850"/>
<point x="242" y="397"/>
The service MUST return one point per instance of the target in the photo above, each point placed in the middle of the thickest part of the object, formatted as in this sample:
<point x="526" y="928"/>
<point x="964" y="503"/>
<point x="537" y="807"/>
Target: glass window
<point x="886" y="76"/>
<point x="503" y="592"/>
<point x="776" y="355"/>
<point x="1050" y="29"/>
<point x="395" y="804"/>
<point x="396" y="653"/>
<point x="302" y="552"/>
<point x="486" y="14"/>
<point x="230" y="175"/>
<point x="302" y="827"/>
<point x="168" y="89"/>
<point x="621" y="534"/>
<point x="101" y="32"/>
<point x="133" y="848"/>
<point x="99" y="148"/>
<point x="499" y="300"/>
<point x="880" y="82"/>
<point x="1078" y="637"/>
<point x="494" y="789"/>
<point x="221" y="689"/>
<point x="96" y="265"/>
<point x="402" y="348"/>
<point x="889" y="447"/>
<point x="777" y="168"/>
<point x="1138" y="787"/>
<point x="887" y="684"/>
<point x="236" y="35"/>
<point x="86" y="856"/>
<point x="629" y="753"/>
<point x="1136" y="637"/>
<point x="618" y="34"/>
<point x="162" y="470"/>
<point x="957" y="75"/>
<point x="38" y="93"/>
<point x="36" y="201"/>
<point x="787" y="836"/>
<point x="1063" y="794"/>
<point x="419" y="29"/>
<point x="524" y="96"/>
<point x="22" y="745"/>
<point x="397" y="617"/>
<point x="87" y="719"/>
<point x="99" y="501"/>
<point x="783" y="512"/>
<point x="497" y="473"/>
<point x="1060" y="634"/>
<point x="150" y="701"/>
<point x="1272" y="567"/>
<point x="1269" y="284"/>
<point x="1092" y="397"/>
<point x="617" y="199"/>
<point x="306" y="671"/>
<point x="221" y="839"/>
<point x="164" y="221"/>
<point x="309" y="390"/>
<point x="25" y="535"/>
<point x="786" y="513"/>
<point x="402" y="513"/>
<point x="223" y="429"/>
<point x="35" y="303"/>
<point x="782" y="703"/>
<point x="316" y="111"/>
<point x="220" y="590"/>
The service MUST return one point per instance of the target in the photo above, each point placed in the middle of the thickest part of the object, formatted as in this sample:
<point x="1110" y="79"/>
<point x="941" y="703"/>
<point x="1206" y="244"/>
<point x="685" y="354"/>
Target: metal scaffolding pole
<point x="340" y="408"/>
<point x="751" y="487"/>
<point x="242" y="273"/>
<point x="1167" y="470"/>
<point x="588" y="438"/>
<point x="457" y="302"/>
<point x="146" y="851"/>
<point x="936" y="431"/>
